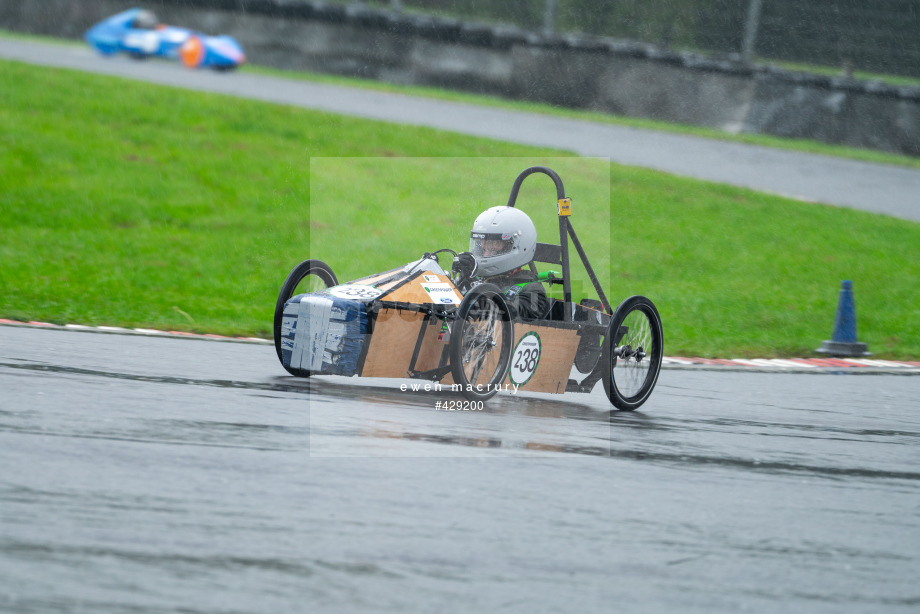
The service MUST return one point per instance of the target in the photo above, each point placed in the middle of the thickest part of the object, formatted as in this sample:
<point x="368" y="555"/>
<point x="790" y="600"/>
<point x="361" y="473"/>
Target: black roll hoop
<point x="560" y="190"/>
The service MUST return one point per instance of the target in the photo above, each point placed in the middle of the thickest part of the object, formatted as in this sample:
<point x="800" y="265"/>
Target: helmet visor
<point x="486" y="245"/>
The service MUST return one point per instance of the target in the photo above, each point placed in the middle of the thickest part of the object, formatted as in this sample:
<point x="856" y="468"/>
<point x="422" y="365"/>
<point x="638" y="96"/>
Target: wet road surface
<point x="167" y="474"/>
<point x="879" y="188"/>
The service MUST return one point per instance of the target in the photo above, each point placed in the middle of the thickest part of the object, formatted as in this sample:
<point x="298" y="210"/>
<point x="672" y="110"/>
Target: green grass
<point x="803" y="145"/>
<point x="836" y="71"/>
<point x="130" y="204"/>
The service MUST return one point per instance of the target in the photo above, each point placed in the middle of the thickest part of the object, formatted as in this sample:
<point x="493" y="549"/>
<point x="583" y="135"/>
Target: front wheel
<point x="632" y="353"/>
<point x="480" y="343"/>
<point x="315" y="275"/>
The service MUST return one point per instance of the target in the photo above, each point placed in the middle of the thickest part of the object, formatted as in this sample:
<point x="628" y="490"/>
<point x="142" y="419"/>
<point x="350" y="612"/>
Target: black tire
<point x="632" y="353"/>
<point x="318" y="270"/>
<point x="482" y="316"/>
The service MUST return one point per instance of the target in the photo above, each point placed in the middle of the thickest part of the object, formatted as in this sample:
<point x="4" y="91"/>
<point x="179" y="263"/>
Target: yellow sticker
<point x="565" y="206"/>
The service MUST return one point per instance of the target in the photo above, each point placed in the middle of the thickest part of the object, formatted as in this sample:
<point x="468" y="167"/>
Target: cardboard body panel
<point x="429" y="355"/>
<point x="426" y="289"/>
<point x="392" y="343"/>
<point x="396" y="331"/>
<point x="556" y="357"/>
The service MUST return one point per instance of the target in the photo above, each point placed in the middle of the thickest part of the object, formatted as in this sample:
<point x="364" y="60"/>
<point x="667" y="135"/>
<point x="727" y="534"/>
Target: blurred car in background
<point x="139" y="33"/>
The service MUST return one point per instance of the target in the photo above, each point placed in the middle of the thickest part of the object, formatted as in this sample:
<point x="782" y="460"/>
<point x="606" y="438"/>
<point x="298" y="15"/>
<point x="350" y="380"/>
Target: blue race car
<point x="138" y="33"/>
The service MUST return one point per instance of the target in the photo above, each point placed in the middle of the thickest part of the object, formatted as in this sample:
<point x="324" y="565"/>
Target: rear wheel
<point x="632" y="353"/>
<point x="308" y="276"/>
<point x="480" y="343"/>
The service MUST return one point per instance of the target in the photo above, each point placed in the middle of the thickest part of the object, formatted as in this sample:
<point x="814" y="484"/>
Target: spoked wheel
<point x="632" y="353"/>
<point x="480" y="343"/>
<point x="308" y="276"/>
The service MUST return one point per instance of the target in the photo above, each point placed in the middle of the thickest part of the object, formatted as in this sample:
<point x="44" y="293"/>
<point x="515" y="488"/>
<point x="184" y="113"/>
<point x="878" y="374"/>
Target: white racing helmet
<point x="502" y="240"/>
<point x="145" y="20"/>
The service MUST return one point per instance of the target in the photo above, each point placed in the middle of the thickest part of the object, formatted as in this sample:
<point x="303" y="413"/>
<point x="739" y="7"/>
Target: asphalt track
<point x="878" y="188"/>
<point x="165" y="474"/>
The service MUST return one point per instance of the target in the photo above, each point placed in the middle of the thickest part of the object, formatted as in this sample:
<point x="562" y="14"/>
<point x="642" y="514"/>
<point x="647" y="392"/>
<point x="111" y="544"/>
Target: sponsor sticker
<point x="432" y="279"/>
<point x="525" y="359"/>
<point x="355" y="292"/>
<point x="440" y="291"/>
<point x="565" y="206"/>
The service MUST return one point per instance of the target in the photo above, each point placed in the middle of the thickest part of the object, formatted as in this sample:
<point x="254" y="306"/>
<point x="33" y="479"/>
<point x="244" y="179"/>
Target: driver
<point x="145" y="20"/>
<point x="503" y="241"/>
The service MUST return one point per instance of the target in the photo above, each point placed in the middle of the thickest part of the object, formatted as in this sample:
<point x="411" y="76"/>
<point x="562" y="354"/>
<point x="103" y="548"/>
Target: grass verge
<point x="131" y="204"/>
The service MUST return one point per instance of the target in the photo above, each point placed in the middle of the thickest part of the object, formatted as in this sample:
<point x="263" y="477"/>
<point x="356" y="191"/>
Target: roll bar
<point x="560" y="191"/>
<point x="565" y="230"/>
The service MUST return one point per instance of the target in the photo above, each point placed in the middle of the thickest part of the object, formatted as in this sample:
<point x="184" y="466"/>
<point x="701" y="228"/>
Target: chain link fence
<point x="882" y="36"/>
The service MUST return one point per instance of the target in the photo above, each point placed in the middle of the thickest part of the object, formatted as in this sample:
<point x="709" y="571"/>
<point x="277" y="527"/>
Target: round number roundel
<point x="355" y="292"/>
<point x="525" y="359"/>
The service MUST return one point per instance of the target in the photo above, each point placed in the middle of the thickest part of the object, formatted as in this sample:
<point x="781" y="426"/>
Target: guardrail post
<point x="750" y="31"/>
<point x="549" y="17"/>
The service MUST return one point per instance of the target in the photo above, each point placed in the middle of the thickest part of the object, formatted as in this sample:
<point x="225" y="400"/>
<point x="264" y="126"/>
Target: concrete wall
<point x="579" y="72"/>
